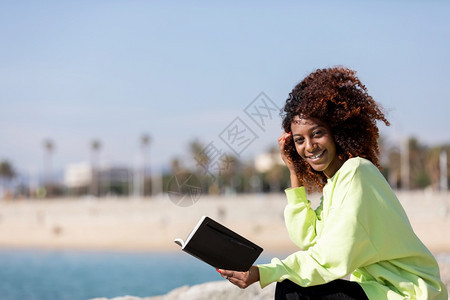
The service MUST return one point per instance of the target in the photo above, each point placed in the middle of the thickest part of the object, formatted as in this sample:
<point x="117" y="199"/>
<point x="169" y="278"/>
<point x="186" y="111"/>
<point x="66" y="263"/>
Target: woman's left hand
<point x="241" y="279"/>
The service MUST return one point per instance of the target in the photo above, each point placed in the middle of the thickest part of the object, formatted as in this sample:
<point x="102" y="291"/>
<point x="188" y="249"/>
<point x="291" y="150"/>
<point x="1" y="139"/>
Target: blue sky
<point x="74" y="71"/>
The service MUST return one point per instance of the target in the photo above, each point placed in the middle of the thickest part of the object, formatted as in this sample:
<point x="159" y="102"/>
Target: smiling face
<point x="315" y="144"/>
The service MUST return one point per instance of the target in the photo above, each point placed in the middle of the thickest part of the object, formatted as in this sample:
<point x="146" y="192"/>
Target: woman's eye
<point x="298" y="141"/>
<point x="317" y="133"/>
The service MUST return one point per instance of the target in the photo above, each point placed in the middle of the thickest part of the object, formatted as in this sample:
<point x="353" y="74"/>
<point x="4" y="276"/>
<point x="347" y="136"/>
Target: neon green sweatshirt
<point x="360" y="228"/>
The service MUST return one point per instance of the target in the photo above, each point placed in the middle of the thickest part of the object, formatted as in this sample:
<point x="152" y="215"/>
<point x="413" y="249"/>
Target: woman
<point x="360" y="228"/>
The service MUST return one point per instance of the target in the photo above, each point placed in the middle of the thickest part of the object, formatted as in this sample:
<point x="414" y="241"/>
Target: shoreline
<point x="151" y="224"/>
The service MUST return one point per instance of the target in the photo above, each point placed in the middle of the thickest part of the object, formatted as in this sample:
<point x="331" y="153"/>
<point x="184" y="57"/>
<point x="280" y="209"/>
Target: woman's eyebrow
<point x="311" y="129"/>
<point x="318" y="126"/>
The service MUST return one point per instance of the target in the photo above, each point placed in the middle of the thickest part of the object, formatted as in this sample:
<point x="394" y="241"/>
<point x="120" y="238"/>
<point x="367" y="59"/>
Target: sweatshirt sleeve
<point x="300" y="218"/>
<point x="342" y="246"/>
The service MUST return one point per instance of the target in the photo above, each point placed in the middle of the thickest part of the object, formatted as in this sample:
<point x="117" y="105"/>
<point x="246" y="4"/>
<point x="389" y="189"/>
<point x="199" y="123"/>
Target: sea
<point x="79" y="275"/>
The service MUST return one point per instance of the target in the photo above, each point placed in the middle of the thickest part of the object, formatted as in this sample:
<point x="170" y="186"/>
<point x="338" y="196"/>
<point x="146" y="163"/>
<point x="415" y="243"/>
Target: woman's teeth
<point x="317" y="155"/>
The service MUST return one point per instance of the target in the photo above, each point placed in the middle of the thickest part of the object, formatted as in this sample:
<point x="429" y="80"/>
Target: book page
<point x="181" y="242"/>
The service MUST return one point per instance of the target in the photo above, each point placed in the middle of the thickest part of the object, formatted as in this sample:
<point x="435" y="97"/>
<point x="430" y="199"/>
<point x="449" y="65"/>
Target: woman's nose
<point x="310" y="146"/>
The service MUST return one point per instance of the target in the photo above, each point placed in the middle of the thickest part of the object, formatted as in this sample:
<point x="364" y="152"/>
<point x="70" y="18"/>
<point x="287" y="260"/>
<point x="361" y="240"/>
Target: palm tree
<point x="394" y="167"/>
<point x="197" y="151"/>
<point x="7" y="173"/>
<point x="443" y="169"/>
<point x="432" y="165"/>
<point x="417" y="157"/>
<point x="96" y="145"/>
<point x="6" y="170"/>
<point x="145" y="142"/>
<point x="49" y="147"/>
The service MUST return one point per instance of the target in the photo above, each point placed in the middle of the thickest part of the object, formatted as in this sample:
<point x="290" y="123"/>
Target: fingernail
<point x="219" y="271"/>
<point x="284" y="139"/>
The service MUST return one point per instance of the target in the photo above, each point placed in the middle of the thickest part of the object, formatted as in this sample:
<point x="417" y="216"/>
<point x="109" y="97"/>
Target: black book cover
<point x="220" y="247"/>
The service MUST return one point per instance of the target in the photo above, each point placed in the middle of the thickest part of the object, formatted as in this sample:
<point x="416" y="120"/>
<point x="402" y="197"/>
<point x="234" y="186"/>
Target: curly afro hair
<point x="337" y="97"/>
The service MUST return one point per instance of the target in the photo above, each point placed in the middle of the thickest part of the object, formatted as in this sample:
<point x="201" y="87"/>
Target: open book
<point x="219" y="246"/>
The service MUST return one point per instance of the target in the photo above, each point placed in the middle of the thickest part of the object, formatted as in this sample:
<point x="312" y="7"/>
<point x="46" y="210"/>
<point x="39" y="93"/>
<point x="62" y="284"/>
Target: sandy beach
<point x="151" y="224"/>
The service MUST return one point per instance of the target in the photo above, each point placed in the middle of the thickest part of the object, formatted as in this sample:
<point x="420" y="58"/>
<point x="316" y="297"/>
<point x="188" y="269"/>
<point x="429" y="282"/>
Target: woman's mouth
<point x="316" y="156"/>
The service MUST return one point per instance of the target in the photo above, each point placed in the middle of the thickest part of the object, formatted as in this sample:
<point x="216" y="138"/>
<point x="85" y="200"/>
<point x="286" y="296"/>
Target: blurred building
<point x="83" y="179"/>
<point x="78" y="175"/>
<point x="266" y="161"/>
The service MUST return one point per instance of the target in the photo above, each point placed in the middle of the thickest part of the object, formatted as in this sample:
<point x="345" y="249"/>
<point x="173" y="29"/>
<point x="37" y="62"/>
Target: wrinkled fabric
<point x="360" y="228"/>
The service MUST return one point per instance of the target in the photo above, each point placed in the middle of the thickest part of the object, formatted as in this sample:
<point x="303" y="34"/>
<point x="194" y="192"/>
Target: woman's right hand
<point x="281" y="143"/>
<point x="286" y="137"/>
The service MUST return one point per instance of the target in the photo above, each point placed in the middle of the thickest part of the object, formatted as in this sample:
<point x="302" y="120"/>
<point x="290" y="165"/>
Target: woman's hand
<point x="241" y="279"/>
<point x="282" y="143"/>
